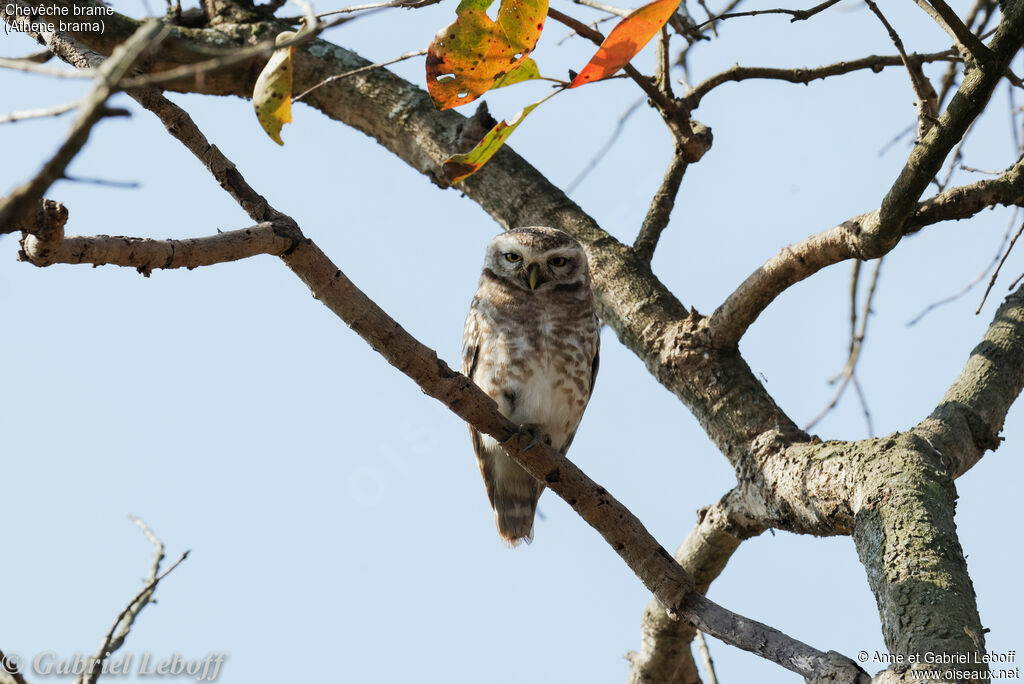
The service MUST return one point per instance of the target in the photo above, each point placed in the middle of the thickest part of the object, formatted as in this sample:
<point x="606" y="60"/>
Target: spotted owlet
<point x="531" y="344"/>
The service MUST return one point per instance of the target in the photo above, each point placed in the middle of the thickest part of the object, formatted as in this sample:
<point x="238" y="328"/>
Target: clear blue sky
<point x="338" y="525"/>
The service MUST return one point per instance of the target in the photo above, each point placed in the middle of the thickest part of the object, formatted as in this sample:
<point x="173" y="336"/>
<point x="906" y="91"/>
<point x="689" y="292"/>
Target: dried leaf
<point x="462" y="166"/>
<point x="272" y="96"/>
<point x="465" y="59"/>
<point x="627" y="39"/>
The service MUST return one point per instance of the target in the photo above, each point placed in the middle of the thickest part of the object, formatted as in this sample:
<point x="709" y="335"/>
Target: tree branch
<point x="665" y="656"/>
<point x="970" y="45"/>
<point x="146" y="255"/>
<point x="661" y="207"/>
<point x="797" y="15"/>
<point x="847" y="241"/>
<point x="805" y="75"/>
<point x="968" y="420"/>
<point x="122" y="626"/>
<point x="93" y="108"/>
<point x="927" y="100"/>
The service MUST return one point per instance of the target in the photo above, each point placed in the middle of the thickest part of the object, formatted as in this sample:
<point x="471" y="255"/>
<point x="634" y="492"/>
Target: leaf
<point x="272" y="96"/>
<point x="627" y="39"/>
<point x="524" y="71"/>
<point x="461" y="166"/>
<point x="466" y="59"/>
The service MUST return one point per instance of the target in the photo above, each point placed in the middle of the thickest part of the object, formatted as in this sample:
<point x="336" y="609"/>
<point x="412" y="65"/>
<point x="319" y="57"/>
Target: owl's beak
<point x="534" y="276"/>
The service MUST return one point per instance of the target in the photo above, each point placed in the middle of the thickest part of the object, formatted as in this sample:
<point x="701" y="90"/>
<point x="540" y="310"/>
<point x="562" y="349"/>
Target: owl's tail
<point x="514" y="516"/>
<point x="514" y="497"/>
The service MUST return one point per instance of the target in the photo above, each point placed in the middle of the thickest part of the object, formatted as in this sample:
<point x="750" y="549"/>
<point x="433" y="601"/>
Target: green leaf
<point x="461" y="166"/>
<point x="526" y="70"/>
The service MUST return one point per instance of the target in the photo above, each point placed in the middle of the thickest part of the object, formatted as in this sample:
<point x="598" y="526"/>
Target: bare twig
<point x="927" y="100"/>
<point x="691" y="136"/>
<point x="662" y="67"/>
<point x="373" y="6"/>
<point x="400" y="58"/>
<point x="954" y="161"/>
<point x="705" y="656"/>
<point x="695" y="35"/>
<point x="37" y="68"/>
<point x="864" y="406"/>
<point x="93" y="108"/>
<point x="858" y="331"/>
<point x="805" y="75"/>
<point x="661" y="208"/>
<point x="55" y="110"/>
<point x="122" y="626"/>
<point x="1002" y="261"/>
<point x="599" y="155"/>
<point x="981" y="276"/>
<point x="798" y="15"/>
<point x="610" y="9"/>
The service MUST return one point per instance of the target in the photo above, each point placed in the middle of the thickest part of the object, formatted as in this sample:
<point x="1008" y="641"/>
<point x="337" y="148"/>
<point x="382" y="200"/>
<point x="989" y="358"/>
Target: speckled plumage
<point x="531" y="343"/>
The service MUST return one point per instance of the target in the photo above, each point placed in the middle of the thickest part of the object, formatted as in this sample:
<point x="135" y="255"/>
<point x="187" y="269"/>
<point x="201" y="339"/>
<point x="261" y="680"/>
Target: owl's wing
<point x="470" y="358"/>
<point x="471" y="342"/>
<point x="594" y="365"/>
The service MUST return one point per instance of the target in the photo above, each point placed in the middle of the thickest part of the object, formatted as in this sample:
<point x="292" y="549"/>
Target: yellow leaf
<point x="272" y="97"/>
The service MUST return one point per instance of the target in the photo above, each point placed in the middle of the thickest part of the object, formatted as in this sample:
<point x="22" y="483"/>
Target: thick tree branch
<point x="906" y="539"/>
<point x="969" y="44"/>
<point x="970" y="417"/>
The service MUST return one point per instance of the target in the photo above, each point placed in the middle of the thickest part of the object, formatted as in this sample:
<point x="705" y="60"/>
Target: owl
<point x="531" y="343"/>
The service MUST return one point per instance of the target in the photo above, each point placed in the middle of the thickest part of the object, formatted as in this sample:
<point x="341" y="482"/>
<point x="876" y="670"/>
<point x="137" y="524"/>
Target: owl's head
<point x="537" y="259"/>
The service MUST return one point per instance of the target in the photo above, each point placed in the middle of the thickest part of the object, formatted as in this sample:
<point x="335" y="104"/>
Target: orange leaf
<point x="627" y="38"/>
<point x="466" y="58"/>
<point x="272" y="96"/>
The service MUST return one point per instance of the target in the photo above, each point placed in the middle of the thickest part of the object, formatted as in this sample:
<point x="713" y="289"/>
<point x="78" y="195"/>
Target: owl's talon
<point x="536" y="435"/>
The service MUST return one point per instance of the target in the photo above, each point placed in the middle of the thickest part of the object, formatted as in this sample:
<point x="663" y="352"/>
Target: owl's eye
<point x="558" y="261"/>
<point x="512" y="257"/>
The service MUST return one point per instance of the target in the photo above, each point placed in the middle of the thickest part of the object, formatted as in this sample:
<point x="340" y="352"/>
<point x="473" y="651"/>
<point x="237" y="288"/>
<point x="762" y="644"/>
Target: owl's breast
<point x="549" y="376"/>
